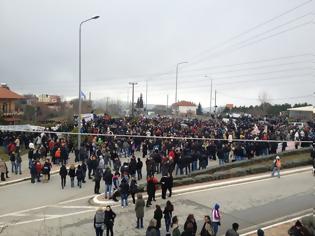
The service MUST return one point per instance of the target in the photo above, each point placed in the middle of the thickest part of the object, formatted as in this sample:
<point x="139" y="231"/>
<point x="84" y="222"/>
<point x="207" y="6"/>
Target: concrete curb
<point x="95" y="200"/>
<point x="23" y="179"/>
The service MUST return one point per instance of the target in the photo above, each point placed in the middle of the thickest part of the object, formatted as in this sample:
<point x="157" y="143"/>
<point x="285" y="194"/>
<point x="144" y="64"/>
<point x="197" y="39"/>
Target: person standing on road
<point x="216" y="218"/>
<point x="168" y="212"/>
<point x="313" y="157"/>
<point x="13" y="163"/>
<point x="18" y="163"/>
<point x="3" y="169"/>
<point x="72" y="174"/>
<point x="276" y="165"/>
<point x="30" y="154"/>
<point x="190" y="225"/>
<point x="99" y="219"/>
<point x="150" y="190"/>
<point x="139" y="208"/>
<point x="108" y="179"/>
<point x="46" y="170"/>
<point x="109" y="220"/>
<point x="33" y="172"/>
<point x="38" y="167"/>
<point x="151" y="230"/>
<point x="175" y="226"/>
<point x="63" y="174"/>
<point x="139" y="168"/>
<point x="233" y="231"/>
<point x="207" y="229"/>
<point x="79" y="175"/>
<point x="133" y="189"/>
<point x="97" y="180"/>
<point x="158" y="214"/>
<point x="124" y="191"/>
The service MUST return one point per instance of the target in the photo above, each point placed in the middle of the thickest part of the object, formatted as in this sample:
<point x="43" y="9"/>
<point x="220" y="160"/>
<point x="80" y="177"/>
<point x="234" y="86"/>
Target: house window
<point x="5" y="107"/>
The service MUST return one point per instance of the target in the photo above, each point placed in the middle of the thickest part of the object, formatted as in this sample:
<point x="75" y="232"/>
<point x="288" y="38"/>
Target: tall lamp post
<point x="79" y="109"/>
<point x="177" y="78"/>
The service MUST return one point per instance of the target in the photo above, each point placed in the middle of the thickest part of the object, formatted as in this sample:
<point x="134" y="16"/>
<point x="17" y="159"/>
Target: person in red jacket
<point x="38" y="167"/>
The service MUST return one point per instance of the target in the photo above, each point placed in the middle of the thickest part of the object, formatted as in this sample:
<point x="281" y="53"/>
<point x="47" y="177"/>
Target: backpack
<point x="58" y="153"/>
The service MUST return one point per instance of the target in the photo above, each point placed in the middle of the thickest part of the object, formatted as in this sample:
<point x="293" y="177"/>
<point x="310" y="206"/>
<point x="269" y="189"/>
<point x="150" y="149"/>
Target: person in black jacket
<point x="124" y="191"/>
<point x="79" y="175"/>
<point x="72" y="174"/>
<point x="158" y="214"/>
<point x="97" y="180"/>
<point x="108" y="179"/>
<point x="109" y="220"/>
<point x="63" y="174"/>
<point x="133" y="189"/>
<point x="139" y="168"/>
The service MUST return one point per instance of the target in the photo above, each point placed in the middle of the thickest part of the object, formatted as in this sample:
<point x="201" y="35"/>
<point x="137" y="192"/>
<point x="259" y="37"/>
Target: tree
<point x="199" y="109"/>
<point x="139" y="103"/>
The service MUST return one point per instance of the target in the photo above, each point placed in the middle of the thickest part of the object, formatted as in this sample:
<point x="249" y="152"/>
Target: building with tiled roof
<point x="8" y="110"/>
<point x="185" y="107"/>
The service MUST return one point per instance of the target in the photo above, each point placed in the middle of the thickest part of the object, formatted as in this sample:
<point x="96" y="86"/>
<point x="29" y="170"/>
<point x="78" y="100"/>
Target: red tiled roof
<point x="8" y="94"/>
<point x="184" y="104"/>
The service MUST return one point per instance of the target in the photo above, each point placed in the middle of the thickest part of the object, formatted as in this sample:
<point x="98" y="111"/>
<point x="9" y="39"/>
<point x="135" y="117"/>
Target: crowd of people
<point x="167" y="146"/>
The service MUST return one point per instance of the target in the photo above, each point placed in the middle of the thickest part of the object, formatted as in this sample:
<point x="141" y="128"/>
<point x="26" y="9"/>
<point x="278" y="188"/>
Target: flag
<point x="83" y="95"/>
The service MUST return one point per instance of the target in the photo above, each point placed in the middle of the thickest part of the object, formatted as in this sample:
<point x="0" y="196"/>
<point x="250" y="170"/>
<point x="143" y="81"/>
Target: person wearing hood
<point x="216" y="218"/>
<point x="97" y="180"/>
<point x="99" y="219"/>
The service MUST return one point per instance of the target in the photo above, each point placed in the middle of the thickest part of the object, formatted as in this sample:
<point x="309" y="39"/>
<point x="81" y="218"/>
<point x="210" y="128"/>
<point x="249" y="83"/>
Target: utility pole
<point x="215" y="101"/>
<point x="211" y="98"/>
<point x="166" y="103"/>
<point x="106" y="110"/>
<point x="133" y="93"/>
<point x="146" y="96"/>
<point x="177" y="78"/>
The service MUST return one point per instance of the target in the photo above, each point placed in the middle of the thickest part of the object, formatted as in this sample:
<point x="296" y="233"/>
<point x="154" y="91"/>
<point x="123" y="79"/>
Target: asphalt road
<point x="45" y="209"/>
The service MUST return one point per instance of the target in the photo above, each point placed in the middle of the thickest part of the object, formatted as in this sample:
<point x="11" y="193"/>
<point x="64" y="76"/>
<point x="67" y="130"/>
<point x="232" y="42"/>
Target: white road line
<point x="75" y="200"/>
<point x="277" y="224"/>
<point x="74" y="207"/>
<point x="18" y="212"/>
<point x="51" y="218"/>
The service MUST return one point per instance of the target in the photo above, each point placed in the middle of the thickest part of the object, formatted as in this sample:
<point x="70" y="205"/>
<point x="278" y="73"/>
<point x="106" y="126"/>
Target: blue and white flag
<point x="83" y="95"/>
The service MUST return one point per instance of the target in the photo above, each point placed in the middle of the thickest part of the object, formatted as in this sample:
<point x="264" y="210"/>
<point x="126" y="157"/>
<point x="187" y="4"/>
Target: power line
<point x="252" y="29"/>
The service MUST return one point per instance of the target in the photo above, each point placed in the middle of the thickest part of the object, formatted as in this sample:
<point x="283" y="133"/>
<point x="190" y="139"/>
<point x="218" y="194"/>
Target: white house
<point x="185" y="107"/>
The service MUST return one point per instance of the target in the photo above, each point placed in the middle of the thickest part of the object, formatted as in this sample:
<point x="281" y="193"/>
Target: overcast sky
<point x="247" y="47"/>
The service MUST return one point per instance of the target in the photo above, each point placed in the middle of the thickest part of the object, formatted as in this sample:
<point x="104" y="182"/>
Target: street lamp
<point x="177" y="78"/>
<point x="79" y="109"/>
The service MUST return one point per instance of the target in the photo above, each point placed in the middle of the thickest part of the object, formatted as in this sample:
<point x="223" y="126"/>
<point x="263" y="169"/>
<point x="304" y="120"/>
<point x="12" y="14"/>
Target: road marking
<point x="75" y="207"/>
<point x="77" y="199"/>
<point x="51" y="218"/>
<point x="18" y="212"/>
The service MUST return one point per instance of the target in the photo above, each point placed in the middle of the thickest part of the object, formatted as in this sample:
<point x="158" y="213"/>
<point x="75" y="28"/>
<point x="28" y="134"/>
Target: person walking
<point x="207" y="229"/>
<point x="276" y="165"/>
<point x="133" y="188"/>
<point x="99" y="219"/>
<point x="109" y="220"/>
<point x="63" y="174"/>
<point x="79" y="175"/>
<point x="72" y="174"/>
<point x="158" y="214"/>
<point x="233" y="231"/>
<point x="168" y="211"/>
<point x="216" y="218"/>
<point x="139" y="208"/>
